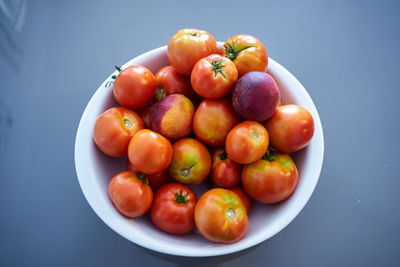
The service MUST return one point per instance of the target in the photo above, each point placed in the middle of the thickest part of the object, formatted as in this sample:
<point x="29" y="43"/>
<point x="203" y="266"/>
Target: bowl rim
<point x="89" y="192"/>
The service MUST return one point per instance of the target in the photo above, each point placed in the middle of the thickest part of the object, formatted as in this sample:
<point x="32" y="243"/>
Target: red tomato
<point x="225" y="172"/>
<point x="213" y="119"/>
<point x="247" y="142"/>
<point x="155" y="180"/>
<point x="171" y="82"/>
<point x="290" y="128"/>
<point x="134" y="87"/>
<point x="213" y="76"/>
<point x="270" y="179"/>
<point x="173" y="209"/>
<point x="187" y="47"/>
<point x="149" y="152"/>
<point x="247" y="52"/>
<point x="191" y="161"/>
<point x="130" y="195"/>
<point x="243" y="196"/>
<point x="114" y="129"/>
<point x="221" y="216"/>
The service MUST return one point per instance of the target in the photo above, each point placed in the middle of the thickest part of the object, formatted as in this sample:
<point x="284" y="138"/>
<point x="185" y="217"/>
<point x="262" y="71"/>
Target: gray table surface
<point x="346" y="54"/>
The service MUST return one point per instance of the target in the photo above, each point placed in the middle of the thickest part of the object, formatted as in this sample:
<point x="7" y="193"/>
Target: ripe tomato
<point x="225" y="172"/>
<point x="213" y="76"/>
<point x="134" y="87"/>
<point x="213" y="119"/>
<point x="155" y="180"/>
<point x="173" y="209"/>
<point x="114" y="129"/>
<point x="290" y="128"/>
<point x="270" y="179"/>
<point x="131" y="196"/>
<point x="243" y="196"/>
<point x="187" y="47"/>
<point x="149" y="152"/>
<point x="171" y="82"/>
<point x="221" y="216"/>
<point x="247" y="52"/>
<point x="247" y="142"/>
<point x="191" y="161"/>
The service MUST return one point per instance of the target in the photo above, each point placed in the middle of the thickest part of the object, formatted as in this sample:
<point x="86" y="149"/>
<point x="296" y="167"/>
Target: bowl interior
<point x="94" y="170"/>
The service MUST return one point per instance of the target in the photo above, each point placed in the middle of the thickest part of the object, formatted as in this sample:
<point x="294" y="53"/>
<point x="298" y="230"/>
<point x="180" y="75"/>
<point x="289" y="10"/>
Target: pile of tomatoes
<point x="212" y="116"/>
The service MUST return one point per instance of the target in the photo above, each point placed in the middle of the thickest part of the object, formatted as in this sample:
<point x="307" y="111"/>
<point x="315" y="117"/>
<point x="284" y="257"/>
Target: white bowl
<point x="94" y="171"/>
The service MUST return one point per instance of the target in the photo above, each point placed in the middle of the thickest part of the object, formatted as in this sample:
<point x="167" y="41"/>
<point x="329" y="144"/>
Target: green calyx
<point x="180" y="198"/>
<point x="118" y="69"/>
<point x="231" y="51"/>
<point x="143" y="178"/>
<point x="268" y="156"/>
<point x="217" y="66"/>
<point x="223" y="155"/>
<point x="160" y="93"/>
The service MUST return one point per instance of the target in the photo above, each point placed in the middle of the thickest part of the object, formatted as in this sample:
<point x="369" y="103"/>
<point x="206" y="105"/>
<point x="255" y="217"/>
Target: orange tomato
<point x="247" y="142"/>
<point x="224" y="172"/>
<point x="114" y="129"/>
<point x="149" y="152"/>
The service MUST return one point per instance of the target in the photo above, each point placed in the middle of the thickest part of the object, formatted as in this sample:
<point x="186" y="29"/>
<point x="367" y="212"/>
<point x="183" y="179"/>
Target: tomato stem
<point x="223" y="155"/>
<point x="268" y="156"/>
<point x="217" y="66"/>
<point x="180" y="198"/>
<point x="118" y="68"/>
<point x="187" y="171"/>
<point x="231" y="51"/>
<point x="143" y="177"/>
<point x="160" y="93"/>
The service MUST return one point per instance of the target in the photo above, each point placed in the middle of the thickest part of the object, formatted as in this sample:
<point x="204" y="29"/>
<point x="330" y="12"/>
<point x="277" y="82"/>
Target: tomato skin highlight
<point x="247" y="142"/>
<point x="221" y="216"/>
<point x="187" y="47"/>
<point x="213" y="76"/>
<point x="270" y="181"/>
<point x="149" y="152"/>
<point x="134" y="87"/>
<point x="168" y="214"/>
<point x="130" y="196"/>
<point x="291" y="128"/>
<point x="243" y="196"/>
<point x="114" y="129"/>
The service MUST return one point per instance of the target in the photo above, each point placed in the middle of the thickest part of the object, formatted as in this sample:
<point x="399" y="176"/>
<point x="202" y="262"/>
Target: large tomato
<point x="221" y="216"/>
<point x="149" y="152"/>
<point x="171" y="82"/>
<point x="290" y="128"/>
<point x="187" y="47"/>
<point x="191" y="161"/>
<point x="213" y="119"/>
<point x="247" y="52"/>
<point x="213" y="76"/>
<point x="113" y="130"/>
<point x="247" y="142"/>
<point x="131" y="196"/>
<point x="224" y="172"/>
<point x="270" y="179"/>
<point x="134" y="87"/>
<point x="155" y="180"/>
<point x="173" y="209"/>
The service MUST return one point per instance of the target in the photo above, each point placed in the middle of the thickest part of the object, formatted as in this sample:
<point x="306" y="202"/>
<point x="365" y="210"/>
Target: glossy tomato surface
<point x="171" y="82"/>
<point x="173" y="209"/>
<point x="155" y="180"/>
<point x="213" y="76"/>
<point x="114" y="129"/>
<point x="238" y="190"/>
<point x="247" y="52"/>
<point x="221" y="216"/>
<point x="149" y="152"/>
<point x="271" y="179"/>
<point x="213" y="119"/>
<point x="224" y="172"/>
<point x="129" y="194"/>
<point x="191" y="162"/>
<point x="290" y="128"/>
<point x="134" y="87"/>
<point x="187" y="47"/>
<point x="247" y="142"/>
